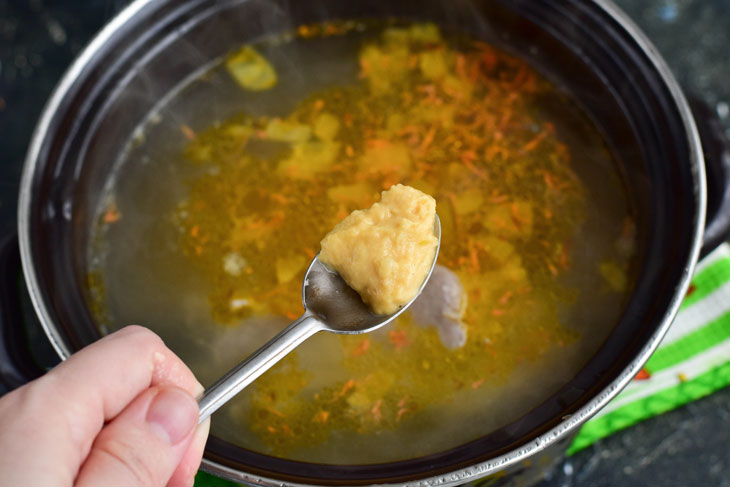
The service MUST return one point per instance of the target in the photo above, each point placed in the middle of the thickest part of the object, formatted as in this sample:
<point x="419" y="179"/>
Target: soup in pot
<point x="221" y="198"/>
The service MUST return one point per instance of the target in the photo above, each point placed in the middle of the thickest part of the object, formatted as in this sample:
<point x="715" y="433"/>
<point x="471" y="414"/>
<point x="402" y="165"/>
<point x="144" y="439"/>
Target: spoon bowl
<point x="329" y="305"/>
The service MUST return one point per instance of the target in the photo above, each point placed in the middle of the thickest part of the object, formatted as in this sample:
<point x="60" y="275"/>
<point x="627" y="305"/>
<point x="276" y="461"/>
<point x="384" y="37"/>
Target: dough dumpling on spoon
<point x="386" y="251"/>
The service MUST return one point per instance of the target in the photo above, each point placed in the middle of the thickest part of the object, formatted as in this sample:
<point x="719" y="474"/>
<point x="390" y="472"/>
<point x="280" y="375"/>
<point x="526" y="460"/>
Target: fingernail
<point x="199" y="390"/>
<point x="172" y="414"/>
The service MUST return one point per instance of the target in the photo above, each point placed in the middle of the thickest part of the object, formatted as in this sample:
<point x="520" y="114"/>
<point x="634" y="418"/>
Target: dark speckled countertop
<point x="685" y="447"/>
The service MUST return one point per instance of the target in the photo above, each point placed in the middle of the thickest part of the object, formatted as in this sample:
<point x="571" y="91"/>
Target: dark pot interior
<point x="577" y="44"/>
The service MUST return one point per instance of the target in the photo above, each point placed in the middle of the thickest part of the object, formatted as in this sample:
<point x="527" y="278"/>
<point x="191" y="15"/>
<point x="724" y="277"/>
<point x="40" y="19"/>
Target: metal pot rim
<point x="460" y="476"/>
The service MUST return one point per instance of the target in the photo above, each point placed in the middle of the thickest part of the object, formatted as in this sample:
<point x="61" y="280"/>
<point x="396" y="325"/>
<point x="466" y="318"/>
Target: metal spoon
<point x="329" y="305"/>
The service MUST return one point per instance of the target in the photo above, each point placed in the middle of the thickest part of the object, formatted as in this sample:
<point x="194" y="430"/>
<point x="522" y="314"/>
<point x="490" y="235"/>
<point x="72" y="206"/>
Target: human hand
<point x="119" y="412"/>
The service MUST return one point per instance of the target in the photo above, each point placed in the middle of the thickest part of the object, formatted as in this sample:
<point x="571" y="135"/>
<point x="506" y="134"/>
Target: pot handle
<point x="716" y="148"/>
<point x="17" y="366"/>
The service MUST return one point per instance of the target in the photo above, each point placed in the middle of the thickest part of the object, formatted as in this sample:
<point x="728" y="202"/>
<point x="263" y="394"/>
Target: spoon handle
<point x="256" y="364"/>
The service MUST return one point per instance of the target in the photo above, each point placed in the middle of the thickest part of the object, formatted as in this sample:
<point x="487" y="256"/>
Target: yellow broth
<point x="504" y="153"/>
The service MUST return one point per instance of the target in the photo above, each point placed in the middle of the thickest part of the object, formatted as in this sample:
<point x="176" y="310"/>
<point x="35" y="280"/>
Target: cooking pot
<point x="589" y="48"/>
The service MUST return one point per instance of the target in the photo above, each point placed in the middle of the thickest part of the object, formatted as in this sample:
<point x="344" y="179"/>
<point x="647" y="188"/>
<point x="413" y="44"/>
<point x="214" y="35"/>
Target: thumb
<point x="143" y="445"/>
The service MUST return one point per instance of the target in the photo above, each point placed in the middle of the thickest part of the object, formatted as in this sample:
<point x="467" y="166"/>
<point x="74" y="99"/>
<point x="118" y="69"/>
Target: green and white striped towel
<point x="692" y="361"/>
